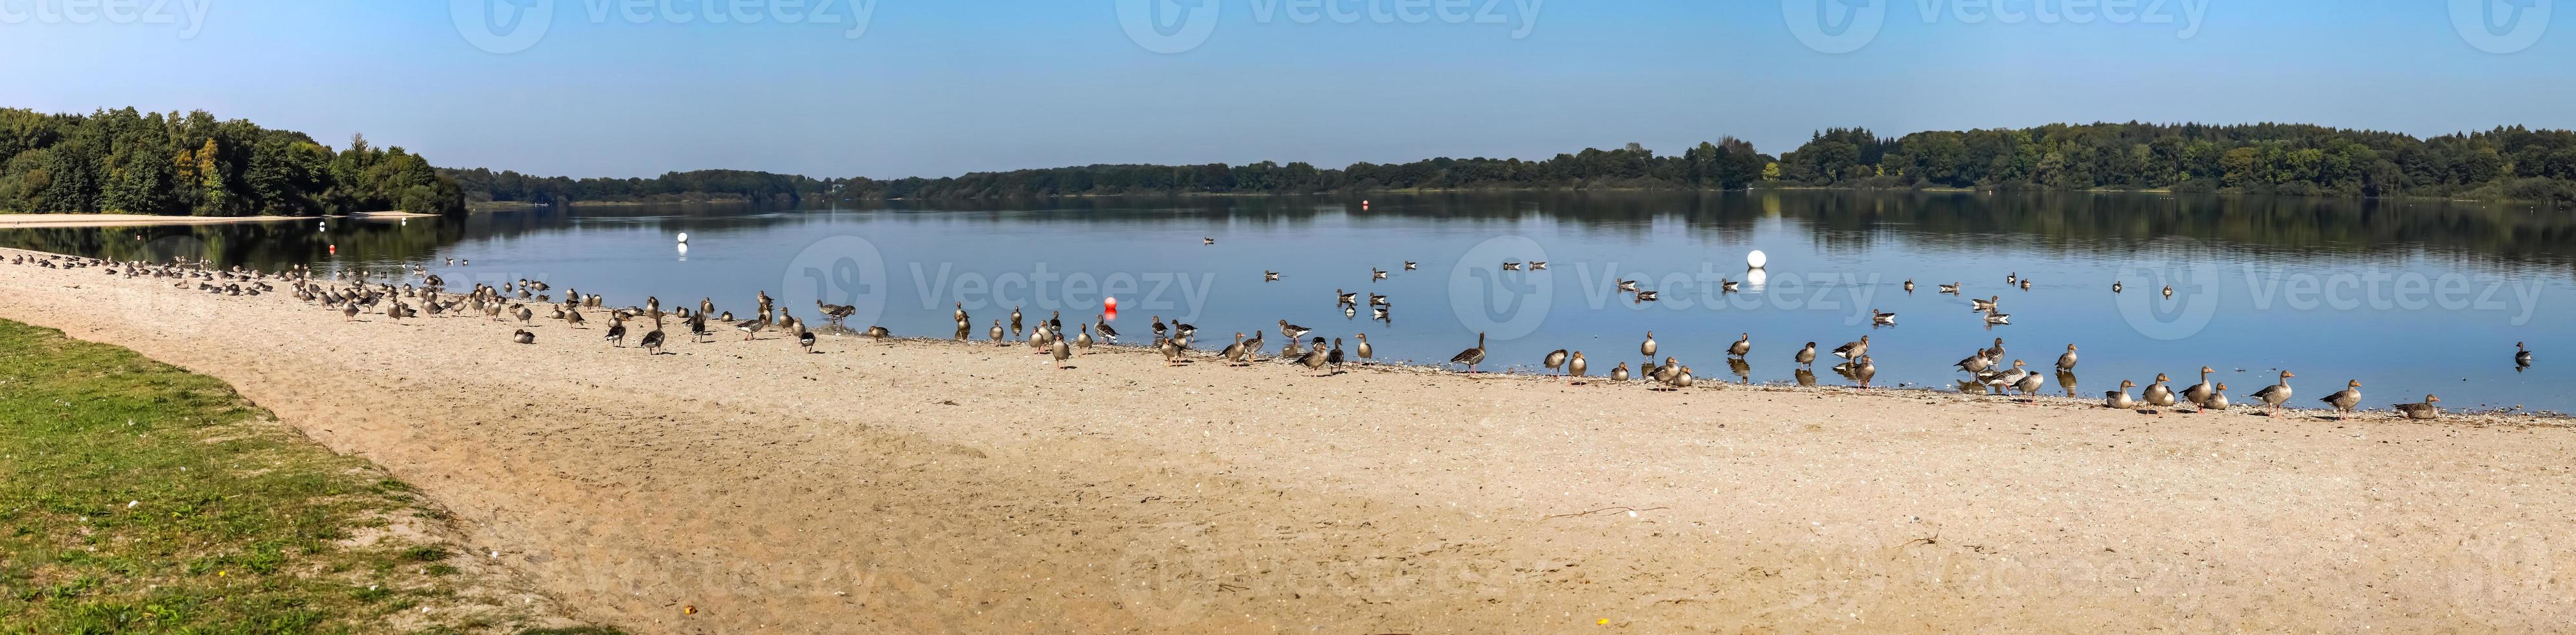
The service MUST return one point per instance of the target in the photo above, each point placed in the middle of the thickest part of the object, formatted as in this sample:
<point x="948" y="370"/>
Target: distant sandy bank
<point x="147" y="220"/>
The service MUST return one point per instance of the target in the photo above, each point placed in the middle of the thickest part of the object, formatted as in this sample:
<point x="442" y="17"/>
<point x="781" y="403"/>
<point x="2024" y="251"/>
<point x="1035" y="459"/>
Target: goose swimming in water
<point x="1409" y="265"/>
<point x="1377" y="300"/>
<point x="1538" y="265"/>
<point x="1207" y="240"/>
<point x="1647" y="296"/>
<point x="2119" y="399"/>
<point x="2115" y="286"/>
<point x="1473" y="356"/>
<point x="2421" y="411"/>
<point x="1343" y="298"/>
<point x="1726" y="286"/>
<point x="2271" y="397"/>
<point x="1952" y="288"/>
<point x="2521" y="355"/>
<point x="1628" y="286"/>
<point x="2344" y="400"/>
<point x="1378" y="314"/>
<point x="1881" y="319"/>
<point x="2012" y="278"/>
<point x="2025" y="284"/>
<point x="1511" y="266"/>
<point x="1998" y="318"/>
<point x="1987" y="304"/>
<point x="1377" y="274"/>
<point x="1909" y="285"/>
<point x="1269" y="276"/>
<point x="2169" y="291"/>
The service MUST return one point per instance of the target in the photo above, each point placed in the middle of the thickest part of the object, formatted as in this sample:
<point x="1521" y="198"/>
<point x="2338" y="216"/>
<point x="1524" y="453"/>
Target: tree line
<point x="130" y="162"/>
<point x="2508" y="163"/>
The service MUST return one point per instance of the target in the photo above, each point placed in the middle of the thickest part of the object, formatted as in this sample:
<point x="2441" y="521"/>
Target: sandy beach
<point x="148" y="220"/>
<point x="926" y="486"/>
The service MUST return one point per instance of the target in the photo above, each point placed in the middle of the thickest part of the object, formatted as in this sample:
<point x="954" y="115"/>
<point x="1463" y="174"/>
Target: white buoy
<point x="684" y="237"/>
<point x="1756" y="259"/>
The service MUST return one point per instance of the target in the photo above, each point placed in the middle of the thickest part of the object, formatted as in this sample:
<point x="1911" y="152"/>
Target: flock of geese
<point x="524" y="301"/>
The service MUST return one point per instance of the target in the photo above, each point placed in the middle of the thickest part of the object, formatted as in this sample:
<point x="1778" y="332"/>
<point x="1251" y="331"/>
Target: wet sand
<point x="939" y="487"/>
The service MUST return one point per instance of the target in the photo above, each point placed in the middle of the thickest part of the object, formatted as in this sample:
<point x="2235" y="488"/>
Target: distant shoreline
<point x="148" y="220"/>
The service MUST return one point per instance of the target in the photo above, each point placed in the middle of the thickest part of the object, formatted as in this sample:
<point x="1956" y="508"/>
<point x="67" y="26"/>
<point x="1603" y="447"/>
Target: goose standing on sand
<point x="750" y="328"/>
<point x="1853" y="350"/>
<point x="2158" y="395"/>
<point x="349" y="311"/>
<point x="2425" y="410"/>
<point x="1315" y="357"/>
<point x="996" y="332"/>
<point x="878" y="332"/>
<point x="2029" y="386"/>
<point x="2066" y="362"/>
<point x="1555" y="359"/>
<point x="805" y="339"/>
<point x="525" y="315"/>
<point x="652" y="342"/>
<point x="2005" y="381"/>
<point x="1233" y="353"/>
<point x="1743" y="345"/>
<point x="2521" y="355"/>
<point x="616" y="331"/>
<point x="2119" y="399"/>
<point x="698" y="331"/>
<point x="1471" y="357"/>
<point x="1108" y="334"/>
<point x="1062" y="352"/>
<point x="1292" y="331"/>
<point x="1084" y="340"/>
<point x="2344" y="400"/>
<point x="1575" y="366"/>
<point x="1619" y="373"/>
<point x="2274" y="395"/>
<point x="523" y="336"/>
<point x="1335" y="358"/>
<point x="2217" y="399"/>
<point x="1252" y="347"/>
<point x="2199" y="392"/>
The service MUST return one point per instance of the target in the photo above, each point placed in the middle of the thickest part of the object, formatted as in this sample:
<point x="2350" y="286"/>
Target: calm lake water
<point x="2408" y="297"/>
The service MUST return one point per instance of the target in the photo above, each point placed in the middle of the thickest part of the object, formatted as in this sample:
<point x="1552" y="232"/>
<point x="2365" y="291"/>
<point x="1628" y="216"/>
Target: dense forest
<point x="129" y="162"/>
<point x="2501" y="164"/>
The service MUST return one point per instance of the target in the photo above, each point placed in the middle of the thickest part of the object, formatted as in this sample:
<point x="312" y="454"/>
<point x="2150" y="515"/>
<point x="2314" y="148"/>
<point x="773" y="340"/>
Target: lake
<point x="2409" y="297"/>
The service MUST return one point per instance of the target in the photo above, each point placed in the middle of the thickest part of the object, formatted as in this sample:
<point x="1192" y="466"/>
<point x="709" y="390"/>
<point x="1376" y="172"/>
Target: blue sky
<point x="935" y="88"/>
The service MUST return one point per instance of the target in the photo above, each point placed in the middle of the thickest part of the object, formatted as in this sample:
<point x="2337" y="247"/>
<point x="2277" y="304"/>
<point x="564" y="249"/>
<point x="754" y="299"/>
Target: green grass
<point x="136" y="497"/>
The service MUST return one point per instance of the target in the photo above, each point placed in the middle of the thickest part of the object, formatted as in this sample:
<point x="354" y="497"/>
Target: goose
<point x="1063" y="352"/>
<point x="2030" y="384"/>
<point x="1576" y="366"/>
<point x="878" y="332"/>
<point x="805" y="339"/>
<point x="2119" y="399"/>
<point x="1538" y="265"/>
<point x="1268" y="275"/>
<point x="1664" y="372"/>
<point x="1998" y="318"/>
<point x="698" y="331"/>
<point x="1619" y="373"/>
<point x="2012" y="278"/>
<point x="1909" y="285"/>
<point x="831" y="312"/>
<point x="1862" y="370"/>
<point x="1725" y="286"/>
<point x="2025" y="284"/>
<point x="960" y="315"/>
<point x="2199" y="392"/>
<point x="1171" y="350"/>
<point x="1335" y="358"/>
<point x="1952" y="288"/>
<point x="2521" y="355"/>
<point x="2168" y="290"/>
<point x="965" y="331"/>
<point x="2066" y="362"/>
<point x="1555" y="359"/>
<point x="1345" y="298"/>
<point x="1807" y="377"/>
<point x="2425" y="410"/>
<point x="1377" y="274"/>
<point x="1628" y="286"/>
<point x="525" y="315"/>
<point x="1807" y="356"/>
<point x="2276" y="394"/>
<point x="1987" y="304"/>
<point x="1648" y="347"/>
<point x="750" y="328"/>
<point x="1410" y="265"/>
<point x="1160" y="331"/>
<point x="2344" y="400"/>
<point x="1743" y="345"/>
<point x="1015" y="322"/>
<point x="1292" y="331"/>
<point x="2217" y="399"/>
<point x="1853" y="350"/>
<point x="1682" y="378"/>
<point x="1084" y="340"/>
<point x="1976" y="363"/>
<point x="1364" y="350"/>
<point x="2116" y="286"/>
<point x="523" y="336"/>
<point x="1877" y="318"/>
<point x="1511" y="266"/>
<point x="2006" y="380"/>
<point x="1233" y="353"/>
<point x="1055" y="324"/>
<point x="350" y="312"/>
<point x="1106" y="333"/>
<point x="1996" y="354"/>
<point x="1252" y="347"/>
<point x="1290" y="352"/>
<point x="1646" y="296"/>
<point x="1207" y="240"/>
<point x="1471" y="357"/>
<point x="1315" y="357"/>
<point x="996" y="332"/>
<point x="652" y="341"/>
<point x="574" y="316"/>
<point x="1378" y="300"/>
<point x="616" y="332"/>
<point x="1379" y="314"/>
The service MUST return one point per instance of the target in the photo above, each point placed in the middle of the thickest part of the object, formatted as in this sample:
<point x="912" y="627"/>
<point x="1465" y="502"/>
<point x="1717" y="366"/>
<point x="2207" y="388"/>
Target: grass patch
<point x="136" y="497"/>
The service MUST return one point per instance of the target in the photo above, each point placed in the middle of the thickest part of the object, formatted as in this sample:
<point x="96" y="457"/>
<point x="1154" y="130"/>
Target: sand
<point x="940" y="487"/>
<point x="148" y="220"/>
